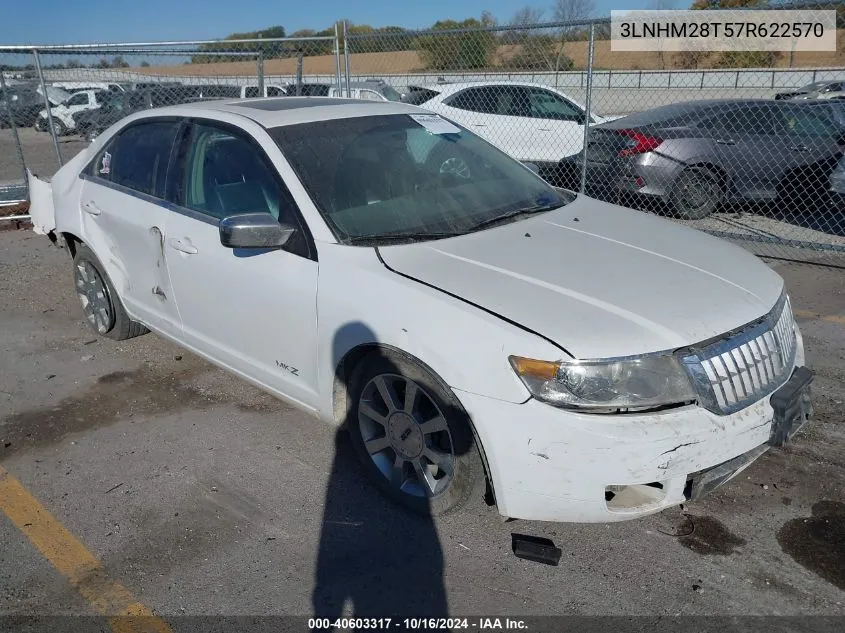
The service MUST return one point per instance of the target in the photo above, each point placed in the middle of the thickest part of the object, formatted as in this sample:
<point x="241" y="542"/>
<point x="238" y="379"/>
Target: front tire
<point x="696" y="193"/>
<point x="412" y="435"/>
<point x="101" y="305"/>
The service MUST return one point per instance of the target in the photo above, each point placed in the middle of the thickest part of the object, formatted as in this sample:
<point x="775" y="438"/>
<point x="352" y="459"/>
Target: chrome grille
<point x="734" y="372"/>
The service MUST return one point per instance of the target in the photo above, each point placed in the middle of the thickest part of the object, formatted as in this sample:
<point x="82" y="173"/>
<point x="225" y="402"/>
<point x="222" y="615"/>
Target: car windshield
<point x="401" y="177"/>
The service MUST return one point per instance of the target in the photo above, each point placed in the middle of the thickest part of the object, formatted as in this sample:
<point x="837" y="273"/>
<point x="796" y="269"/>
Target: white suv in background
<point x="531" y="122"/>
<point x="63" y="113"/>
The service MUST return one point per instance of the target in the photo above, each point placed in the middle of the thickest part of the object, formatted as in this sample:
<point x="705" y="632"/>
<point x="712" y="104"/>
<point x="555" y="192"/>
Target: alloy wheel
<point x="406" y="435"/>
<point x="93" y="295"/>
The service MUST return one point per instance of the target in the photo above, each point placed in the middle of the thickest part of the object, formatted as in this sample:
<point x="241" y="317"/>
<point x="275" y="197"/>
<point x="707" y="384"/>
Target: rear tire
<point x="696" y="193"/>
<point x="419" y="449"/>
<point x="101" y="304"/>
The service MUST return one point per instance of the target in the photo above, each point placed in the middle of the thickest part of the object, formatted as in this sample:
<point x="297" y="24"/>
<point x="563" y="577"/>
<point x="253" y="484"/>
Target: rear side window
<point x="251" y="92"/>
<point x="275" y="91"/>
<point x="137" y="157"/>
<point x="474" y="100"/>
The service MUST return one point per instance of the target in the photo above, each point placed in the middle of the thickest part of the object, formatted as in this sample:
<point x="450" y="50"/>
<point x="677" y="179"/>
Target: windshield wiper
<point x="501" y="219"/>
<point x="405" y="236"/>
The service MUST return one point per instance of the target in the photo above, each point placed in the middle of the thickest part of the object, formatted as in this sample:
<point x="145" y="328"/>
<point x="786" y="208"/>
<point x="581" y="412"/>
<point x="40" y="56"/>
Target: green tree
<point x="231" y="45"/>
<point x="468" y="46"/>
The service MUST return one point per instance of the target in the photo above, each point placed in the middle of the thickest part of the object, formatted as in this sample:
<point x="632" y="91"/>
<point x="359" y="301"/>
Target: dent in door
<point x="161" y="280"/>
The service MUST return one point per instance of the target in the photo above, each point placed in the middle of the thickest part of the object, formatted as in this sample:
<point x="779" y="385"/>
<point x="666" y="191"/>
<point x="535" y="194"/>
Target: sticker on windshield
<point x="435" y="124"/>
<point x="105" y="164"/>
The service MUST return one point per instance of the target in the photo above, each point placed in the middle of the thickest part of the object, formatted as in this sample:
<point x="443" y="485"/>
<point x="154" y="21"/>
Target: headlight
<point x="605" y="386"/>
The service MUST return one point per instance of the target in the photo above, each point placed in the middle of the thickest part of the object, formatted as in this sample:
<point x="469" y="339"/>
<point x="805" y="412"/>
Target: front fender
<point x="360" y="302"/>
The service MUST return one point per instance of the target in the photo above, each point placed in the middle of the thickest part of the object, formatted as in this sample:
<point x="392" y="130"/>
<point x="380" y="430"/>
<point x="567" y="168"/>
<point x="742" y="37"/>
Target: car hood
<point x="599" y="280"/>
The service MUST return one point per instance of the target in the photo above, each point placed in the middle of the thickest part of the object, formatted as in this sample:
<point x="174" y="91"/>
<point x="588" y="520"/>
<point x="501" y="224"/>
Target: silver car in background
<point x="696" y="156"/>
<point x="834" y="89"/>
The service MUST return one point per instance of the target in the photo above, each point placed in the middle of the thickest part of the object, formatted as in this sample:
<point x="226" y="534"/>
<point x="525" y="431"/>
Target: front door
<point x="253" y="311"/>
<point x="124" y="216"/>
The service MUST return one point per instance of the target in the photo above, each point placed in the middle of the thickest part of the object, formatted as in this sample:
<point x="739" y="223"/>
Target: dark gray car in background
<point x="695" y="156"/>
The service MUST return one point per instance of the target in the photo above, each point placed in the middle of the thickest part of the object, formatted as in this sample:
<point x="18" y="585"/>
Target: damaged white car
<point x="386" y="269"/>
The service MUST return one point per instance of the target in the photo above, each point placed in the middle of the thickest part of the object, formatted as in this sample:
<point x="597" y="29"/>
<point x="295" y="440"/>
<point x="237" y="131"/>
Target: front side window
<point x="275" y="91"/>
<point x="137" y="157"/>
<point x="225" y="174"/>
<point x="398" y="177"/>
<point x="80" y="98"/>
<point x="370" y="95"/>
<point x="806" y="122"/>
<point x="251" y="92"/>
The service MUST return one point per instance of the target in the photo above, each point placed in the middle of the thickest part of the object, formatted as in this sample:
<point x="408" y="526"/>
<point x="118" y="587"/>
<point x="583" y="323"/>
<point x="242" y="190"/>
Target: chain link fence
<point x="746" y="146"/>
<point x="723" y="142"/>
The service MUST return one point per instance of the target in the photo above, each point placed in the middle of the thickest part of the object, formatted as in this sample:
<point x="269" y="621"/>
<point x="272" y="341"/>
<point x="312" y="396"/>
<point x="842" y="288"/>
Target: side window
<point x="80" y="98"/>
<point x="275" y="91"/>
<point x="371" y="95"/>
<point x="548" y="105"/>
<point x="511" y="101"/>
<point x="472" y="99"/>
<point x="749" y="120"/>
<point x="137" y="158"/>
<point x="226" y="173"/>
<point x="251" y="92"/>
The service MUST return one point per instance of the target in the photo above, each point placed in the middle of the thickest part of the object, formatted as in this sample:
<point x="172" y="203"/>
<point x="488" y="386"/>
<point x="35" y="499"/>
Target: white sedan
<point x="381" y="267"/>
<point x="533" y="123"/>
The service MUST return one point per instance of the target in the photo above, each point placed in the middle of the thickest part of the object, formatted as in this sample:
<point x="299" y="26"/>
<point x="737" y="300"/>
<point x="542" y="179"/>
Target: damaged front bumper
<point x="550" y="464"/>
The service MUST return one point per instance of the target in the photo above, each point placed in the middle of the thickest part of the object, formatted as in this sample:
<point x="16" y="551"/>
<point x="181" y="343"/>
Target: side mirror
<point x="254" y="230"/>
<point x="533" y="167"/>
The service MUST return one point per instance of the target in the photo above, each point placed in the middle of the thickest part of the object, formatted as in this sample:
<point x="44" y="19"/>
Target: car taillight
<point x="642" y="143"/>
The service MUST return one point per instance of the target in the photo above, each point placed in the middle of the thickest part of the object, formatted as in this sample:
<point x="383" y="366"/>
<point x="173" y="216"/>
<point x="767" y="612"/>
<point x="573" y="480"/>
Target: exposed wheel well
<point x="721" y="173"/>
<point x="72" y="242"/>
<point x="340" y="396"/>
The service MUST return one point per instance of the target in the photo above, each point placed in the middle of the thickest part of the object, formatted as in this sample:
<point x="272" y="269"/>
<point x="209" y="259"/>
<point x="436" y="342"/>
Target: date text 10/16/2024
<point x="422" y="624"/>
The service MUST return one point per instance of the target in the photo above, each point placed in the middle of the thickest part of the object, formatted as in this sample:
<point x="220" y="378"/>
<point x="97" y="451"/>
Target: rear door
<point x="751" y="149"/>
<point x="559" y="128"/>
<point x="124" y="217"/>
<point x="500" y="114"/>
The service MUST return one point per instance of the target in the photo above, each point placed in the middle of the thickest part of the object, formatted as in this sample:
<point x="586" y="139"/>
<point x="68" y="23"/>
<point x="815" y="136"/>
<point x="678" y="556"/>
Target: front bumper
<point x="551" y="464"/>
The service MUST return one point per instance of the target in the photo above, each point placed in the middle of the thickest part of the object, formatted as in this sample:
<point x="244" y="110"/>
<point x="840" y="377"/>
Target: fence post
<point x="260" y="70"/>
<point x="346" y="59"/>
<point x="49" y="107"/>
<point x="299" y="57"/>
<point x="588" y="106"/>
<point x="337" y="55"/>
<point x="14" y="127"/>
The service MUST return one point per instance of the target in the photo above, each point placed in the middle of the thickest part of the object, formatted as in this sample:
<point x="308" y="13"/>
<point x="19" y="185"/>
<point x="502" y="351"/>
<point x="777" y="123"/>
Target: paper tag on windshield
<point x="435" y="124"/>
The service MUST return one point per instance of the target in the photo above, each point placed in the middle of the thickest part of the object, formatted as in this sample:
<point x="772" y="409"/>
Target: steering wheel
<point x="455" y="166"/>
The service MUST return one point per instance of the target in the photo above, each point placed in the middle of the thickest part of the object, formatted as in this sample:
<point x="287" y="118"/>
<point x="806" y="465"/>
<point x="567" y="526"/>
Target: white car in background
<point x="533" y="123"/>
<point x="62" y="113"/>
<point x="381" y="268"/>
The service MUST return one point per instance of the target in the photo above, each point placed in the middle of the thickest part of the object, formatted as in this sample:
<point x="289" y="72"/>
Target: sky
<point x="88" y="21"/>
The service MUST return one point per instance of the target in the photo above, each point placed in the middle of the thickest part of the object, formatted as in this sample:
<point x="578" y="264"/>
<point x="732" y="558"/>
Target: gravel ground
<point x="205" y="496"/>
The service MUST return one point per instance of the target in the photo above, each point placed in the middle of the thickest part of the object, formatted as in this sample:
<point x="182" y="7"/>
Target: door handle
<point x="91" y="208"/>
<point x="479" y="125"/>
<point x="726" y="141"/>
<point x="799" y="148"/>
<point x="183" y="246"/>
<point x="544" y="129"/>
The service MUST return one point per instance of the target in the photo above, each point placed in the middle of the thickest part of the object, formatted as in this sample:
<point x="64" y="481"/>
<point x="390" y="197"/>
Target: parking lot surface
<point x="199" y="495"/>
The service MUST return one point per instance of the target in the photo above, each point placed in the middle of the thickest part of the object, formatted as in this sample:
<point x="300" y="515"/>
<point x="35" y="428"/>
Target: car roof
<point x="449" y="87"/>
<point x="279" y="111"/>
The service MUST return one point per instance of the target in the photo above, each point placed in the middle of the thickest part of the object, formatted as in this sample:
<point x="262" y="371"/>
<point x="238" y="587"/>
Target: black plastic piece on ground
<point x="535" y="548"/>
